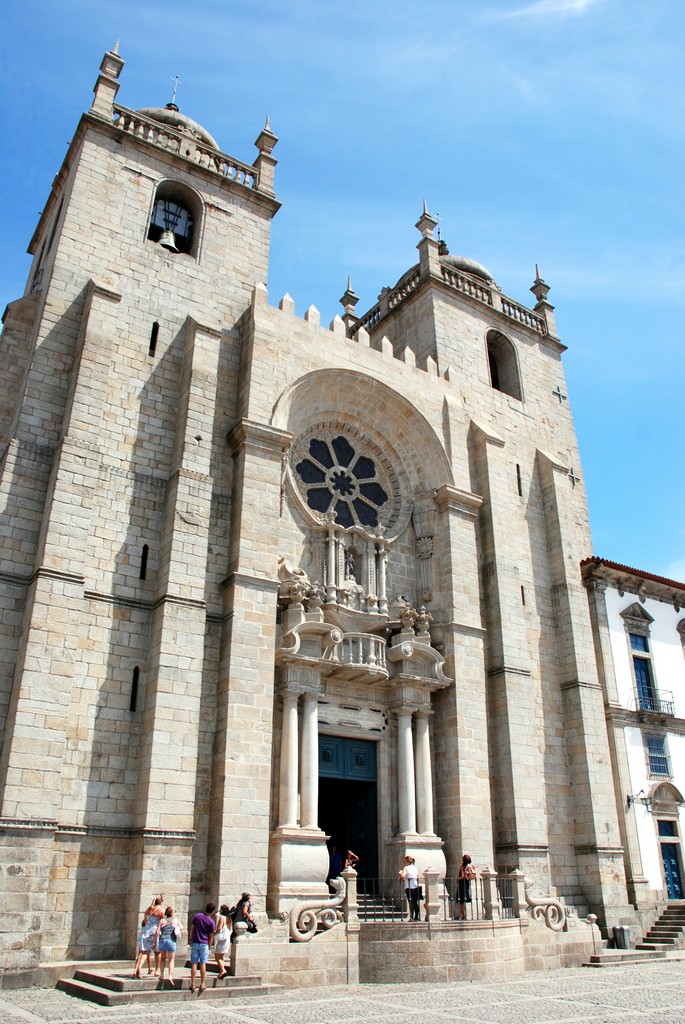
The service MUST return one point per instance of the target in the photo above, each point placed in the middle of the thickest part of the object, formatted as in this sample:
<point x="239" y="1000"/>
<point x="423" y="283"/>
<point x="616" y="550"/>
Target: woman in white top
<point x="222" y="937"/>
<point x="410" y="874"/>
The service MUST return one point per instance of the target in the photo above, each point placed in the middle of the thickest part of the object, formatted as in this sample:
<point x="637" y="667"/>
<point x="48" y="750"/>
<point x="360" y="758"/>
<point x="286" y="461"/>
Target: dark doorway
<point x="347" y="799"/>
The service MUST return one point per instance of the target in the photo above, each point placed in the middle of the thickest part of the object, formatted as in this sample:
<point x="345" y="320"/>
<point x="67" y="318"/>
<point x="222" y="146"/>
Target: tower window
<point x="133" y="703"/>
<point x="143" y="562"/>
<point x="175" y="215"/>
<point x="154" y="333"/>
<point x="503" y="365"/>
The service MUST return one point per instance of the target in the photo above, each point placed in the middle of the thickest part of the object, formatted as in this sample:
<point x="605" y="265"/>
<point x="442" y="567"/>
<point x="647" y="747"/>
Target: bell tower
<point x="122" y="363"/>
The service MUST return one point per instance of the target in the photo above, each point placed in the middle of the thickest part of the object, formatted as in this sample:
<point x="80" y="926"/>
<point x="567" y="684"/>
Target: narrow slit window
<point x="154" y="334"/>
<point x="133" y="703"/>
<point x="143" y="562"/>
<point x="523" y="595"/>
<point x="519" y="482"/>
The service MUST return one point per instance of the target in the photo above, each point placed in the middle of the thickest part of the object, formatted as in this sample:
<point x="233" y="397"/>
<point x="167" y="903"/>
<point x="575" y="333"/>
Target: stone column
<point x="331" y="581"/>
<point x="240" y="808"/>
<point x="287" y="789"/>
<point x="309" y="762"/>
<point x="405" y="772"/>
<point x="518" y="725"/>
<point x="381" y="572"/>
<point x="592" y="808"/>
<point x="460" y="725"/>
<point x="424" y="776"/>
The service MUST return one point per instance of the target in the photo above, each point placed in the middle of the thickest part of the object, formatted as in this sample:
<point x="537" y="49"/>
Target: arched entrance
<point x="347" y="798"/>
<point x="665" y="801"/>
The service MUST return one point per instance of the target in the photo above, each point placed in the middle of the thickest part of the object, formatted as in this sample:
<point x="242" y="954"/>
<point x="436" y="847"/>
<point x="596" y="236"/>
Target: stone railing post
<point x="238" y="963"/>
<point x="352" y="926"/>
<point x="431" y="895"/>
<point x="488" y="878"/>
<point x="519" y="895"/>
<point x="350" y="905"/>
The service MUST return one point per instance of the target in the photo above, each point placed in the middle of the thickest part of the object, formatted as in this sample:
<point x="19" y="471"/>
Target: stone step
<point x="108" y="989"/>
<point x="123" y="981"/>
<point x="659" y="940"/>
<point x="616" y="958"/>
<point x="666" y="933"/>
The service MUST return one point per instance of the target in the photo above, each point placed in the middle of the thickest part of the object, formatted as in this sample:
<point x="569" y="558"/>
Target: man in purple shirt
<point x="201" y="937"/>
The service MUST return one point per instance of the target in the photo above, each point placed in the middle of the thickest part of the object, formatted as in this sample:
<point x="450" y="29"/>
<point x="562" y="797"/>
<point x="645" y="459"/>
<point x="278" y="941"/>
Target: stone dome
<point x="468" y="266"/>
<point x="172" y="116"/>
<point x="463" y="263"/>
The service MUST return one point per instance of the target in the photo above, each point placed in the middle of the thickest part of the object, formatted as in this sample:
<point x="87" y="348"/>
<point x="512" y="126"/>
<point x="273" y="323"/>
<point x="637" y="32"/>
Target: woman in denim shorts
<point x="168" y="934"/>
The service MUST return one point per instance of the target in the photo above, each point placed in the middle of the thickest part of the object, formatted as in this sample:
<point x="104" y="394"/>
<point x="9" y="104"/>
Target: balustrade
<point x="466" y="285"/>
<point x="362" y="649"/>
<point x="523" y="316"/>
<point x="163" y="137"/>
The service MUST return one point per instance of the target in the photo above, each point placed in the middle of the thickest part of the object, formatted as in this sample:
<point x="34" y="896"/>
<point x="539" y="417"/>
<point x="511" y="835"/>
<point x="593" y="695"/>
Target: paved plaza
<point x="637" y="994"/>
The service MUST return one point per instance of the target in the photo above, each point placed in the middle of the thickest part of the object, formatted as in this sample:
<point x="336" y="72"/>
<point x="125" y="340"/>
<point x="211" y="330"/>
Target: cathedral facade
<point x="269" y="586"/>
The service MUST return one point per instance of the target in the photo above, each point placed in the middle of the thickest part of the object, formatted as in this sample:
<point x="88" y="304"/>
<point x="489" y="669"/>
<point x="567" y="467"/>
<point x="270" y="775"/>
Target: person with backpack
<point x="242" y="911"/>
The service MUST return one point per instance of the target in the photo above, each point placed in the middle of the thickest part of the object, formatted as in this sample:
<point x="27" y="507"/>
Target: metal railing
<point x="384" y="900"/>
<point x="658" y="704"/>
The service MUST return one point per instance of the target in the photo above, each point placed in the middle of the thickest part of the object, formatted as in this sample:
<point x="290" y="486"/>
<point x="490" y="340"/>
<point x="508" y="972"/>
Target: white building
<point x="639" y="626"/>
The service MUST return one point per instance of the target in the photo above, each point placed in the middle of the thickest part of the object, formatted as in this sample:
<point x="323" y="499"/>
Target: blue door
<point x="674" y="885"/>
<point x="347" y="798"/>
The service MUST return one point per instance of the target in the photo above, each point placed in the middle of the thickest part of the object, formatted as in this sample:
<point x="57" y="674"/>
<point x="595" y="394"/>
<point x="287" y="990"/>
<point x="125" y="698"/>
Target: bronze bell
<point x="168" y="240"/>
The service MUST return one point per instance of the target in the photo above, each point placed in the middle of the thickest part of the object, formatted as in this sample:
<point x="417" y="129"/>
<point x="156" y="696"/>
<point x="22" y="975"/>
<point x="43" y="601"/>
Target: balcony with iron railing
<point x="654" y="703"/>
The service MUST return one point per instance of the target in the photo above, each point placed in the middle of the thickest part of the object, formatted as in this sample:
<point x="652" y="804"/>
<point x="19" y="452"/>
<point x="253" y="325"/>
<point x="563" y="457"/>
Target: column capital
<point x="270" y="440"/>
<point x="453" y="499"/>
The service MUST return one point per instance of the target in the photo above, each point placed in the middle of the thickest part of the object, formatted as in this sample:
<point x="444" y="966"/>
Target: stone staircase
<point x="376" y="908"/>
<point x="118" y="987"/>
<point x="667" y="931"/>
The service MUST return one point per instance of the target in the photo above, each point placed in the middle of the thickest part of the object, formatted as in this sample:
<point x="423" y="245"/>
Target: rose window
<point x="337" y="478"/>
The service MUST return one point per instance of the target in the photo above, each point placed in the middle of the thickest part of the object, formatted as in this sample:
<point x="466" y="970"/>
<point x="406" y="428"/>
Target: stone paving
<point x="635" y="994"/>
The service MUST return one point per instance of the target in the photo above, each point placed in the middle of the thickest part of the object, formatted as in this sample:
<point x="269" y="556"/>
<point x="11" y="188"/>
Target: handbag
<point x="419" y="890"/>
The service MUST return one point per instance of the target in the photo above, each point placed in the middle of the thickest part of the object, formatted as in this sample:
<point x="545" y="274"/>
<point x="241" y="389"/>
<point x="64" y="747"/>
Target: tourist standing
<point x="201" y="937"/>
<point x="222" y="937"/>
<point x="410" y="874"/>
<point x="146" y="941"/>
<point x="168" y="934"/>
<point x="466" y="875"/>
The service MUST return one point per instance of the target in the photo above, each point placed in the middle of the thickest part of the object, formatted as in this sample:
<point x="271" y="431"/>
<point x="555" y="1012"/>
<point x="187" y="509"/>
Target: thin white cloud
<point x="550" y="8"/>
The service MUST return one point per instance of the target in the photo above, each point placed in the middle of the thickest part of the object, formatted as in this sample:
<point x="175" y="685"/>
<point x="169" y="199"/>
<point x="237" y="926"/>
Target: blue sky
<point x="547" y="132"/>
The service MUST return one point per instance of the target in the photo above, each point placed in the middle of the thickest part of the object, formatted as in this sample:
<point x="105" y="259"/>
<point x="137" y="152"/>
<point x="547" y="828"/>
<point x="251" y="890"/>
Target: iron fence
<point x="384" y="900"/>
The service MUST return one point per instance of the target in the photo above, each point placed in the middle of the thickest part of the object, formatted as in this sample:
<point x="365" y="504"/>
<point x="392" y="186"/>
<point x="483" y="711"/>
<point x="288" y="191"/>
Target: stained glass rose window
<point x="337" y="477"/>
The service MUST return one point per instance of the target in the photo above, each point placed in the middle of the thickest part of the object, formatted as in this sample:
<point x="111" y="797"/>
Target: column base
<point x="425" y="849"/>
<point x="298" y="865"/>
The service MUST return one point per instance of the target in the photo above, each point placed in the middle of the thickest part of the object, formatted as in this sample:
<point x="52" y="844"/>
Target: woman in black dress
<point x="467" y="873"/>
